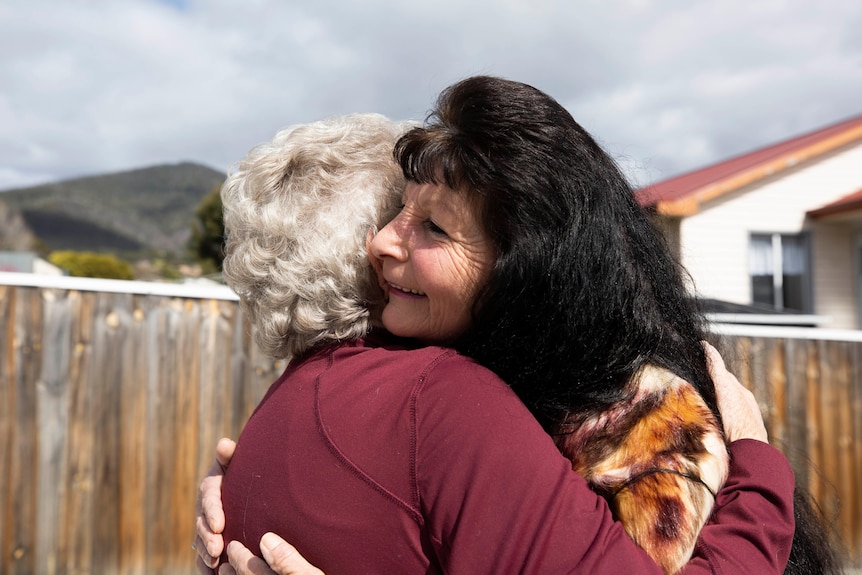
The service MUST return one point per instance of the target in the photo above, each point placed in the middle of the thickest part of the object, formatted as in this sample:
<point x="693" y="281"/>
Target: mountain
<point x="138" y="212"/>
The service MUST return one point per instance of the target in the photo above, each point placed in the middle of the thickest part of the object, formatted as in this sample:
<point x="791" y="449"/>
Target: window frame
<point x="778" y="240"/>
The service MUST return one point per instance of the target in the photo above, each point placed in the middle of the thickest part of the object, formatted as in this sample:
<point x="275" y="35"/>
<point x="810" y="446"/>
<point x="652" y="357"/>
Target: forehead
<point x="443" y="200"/>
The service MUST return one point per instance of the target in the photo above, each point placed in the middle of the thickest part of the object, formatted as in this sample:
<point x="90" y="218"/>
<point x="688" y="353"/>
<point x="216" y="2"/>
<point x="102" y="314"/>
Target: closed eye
<point x="435" y="229"/>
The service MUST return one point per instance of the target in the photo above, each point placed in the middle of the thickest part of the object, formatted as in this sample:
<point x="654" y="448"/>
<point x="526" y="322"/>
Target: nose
<point x="390" y="241"/>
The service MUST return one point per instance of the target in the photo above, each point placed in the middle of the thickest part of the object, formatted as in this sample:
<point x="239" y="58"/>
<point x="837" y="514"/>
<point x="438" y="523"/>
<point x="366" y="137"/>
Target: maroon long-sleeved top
<point x="373" y="458"/>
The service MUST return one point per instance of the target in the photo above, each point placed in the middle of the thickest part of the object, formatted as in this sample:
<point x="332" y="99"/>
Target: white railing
<point x="187" y="290"/>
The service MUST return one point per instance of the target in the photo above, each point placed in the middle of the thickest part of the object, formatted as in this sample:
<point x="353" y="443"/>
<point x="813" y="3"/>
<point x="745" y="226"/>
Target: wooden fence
<point x="113" y="394"/>
<point x="808" y="383"/>
<point x="110" y="406"/>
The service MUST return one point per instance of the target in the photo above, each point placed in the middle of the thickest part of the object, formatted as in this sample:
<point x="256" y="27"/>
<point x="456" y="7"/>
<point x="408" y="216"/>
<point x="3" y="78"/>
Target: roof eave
<point x="690" y="204"/>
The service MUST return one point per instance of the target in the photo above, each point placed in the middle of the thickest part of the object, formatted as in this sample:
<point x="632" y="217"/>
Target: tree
<point x="207" y="241"/>
<point x="92" y="265"/>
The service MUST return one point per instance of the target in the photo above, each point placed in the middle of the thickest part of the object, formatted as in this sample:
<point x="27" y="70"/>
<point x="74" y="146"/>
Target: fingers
<point x="284" y="558"/>
<point x="209" y="523"/>
<point x="738" y="406"/>
<point x="203" y="568"/>
<point x="210" y="504"/>
<point x="208" y="545"/>
<point x="713" y="358"/>
<point x="243" y="562"/>
<point x="224" y="451"/>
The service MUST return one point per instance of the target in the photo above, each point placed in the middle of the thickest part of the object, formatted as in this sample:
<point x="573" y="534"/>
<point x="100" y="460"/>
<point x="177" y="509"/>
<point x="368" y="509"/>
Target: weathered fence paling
<point x="810" y="392"/>
<point x="111" y="404"/>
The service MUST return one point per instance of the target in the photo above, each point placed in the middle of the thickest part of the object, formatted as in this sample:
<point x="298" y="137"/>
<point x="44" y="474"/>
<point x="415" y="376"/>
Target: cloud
<point x="91" y="87"/>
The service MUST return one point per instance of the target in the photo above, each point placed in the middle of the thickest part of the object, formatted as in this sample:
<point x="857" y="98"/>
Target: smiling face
<point x="433" y="259"/>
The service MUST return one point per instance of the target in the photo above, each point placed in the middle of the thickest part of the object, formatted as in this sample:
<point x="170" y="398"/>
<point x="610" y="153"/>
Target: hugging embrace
<point x="507" y="375"/>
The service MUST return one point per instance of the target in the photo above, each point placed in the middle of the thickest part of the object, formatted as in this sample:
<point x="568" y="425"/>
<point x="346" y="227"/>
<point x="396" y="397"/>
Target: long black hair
<point x="584" y="291"/>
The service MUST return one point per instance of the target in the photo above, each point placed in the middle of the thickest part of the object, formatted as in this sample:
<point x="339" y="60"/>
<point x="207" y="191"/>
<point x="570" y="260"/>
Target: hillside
<point x="135" y="212"/>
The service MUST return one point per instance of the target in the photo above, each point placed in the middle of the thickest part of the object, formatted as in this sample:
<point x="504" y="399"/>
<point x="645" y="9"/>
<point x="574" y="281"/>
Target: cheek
<point x="457" y="287"/>
<point x="475" y="274"/>
<point x="447" y="274"/>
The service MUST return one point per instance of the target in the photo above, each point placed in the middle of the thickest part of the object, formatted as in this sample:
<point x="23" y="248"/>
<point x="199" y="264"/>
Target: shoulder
<point x="449" y="376"/>
<point x="431" y="367"/>
<point x="429" y="386"/>
<point x="455" y="400"/>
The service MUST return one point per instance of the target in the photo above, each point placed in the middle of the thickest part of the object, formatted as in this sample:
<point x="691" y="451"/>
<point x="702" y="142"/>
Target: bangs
<point x="431" y="156"/>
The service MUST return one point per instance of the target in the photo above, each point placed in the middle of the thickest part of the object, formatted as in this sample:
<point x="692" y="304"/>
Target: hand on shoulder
<point x="739" y="409"/>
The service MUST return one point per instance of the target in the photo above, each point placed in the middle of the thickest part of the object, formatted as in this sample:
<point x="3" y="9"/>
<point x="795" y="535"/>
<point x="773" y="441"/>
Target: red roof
<point x="843" y="205"/>
<point x="683" y="194"/>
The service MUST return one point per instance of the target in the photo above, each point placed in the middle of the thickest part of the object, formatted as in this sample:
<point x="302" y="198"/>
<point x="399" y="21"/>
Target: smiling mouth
<point x="398" y="288"/>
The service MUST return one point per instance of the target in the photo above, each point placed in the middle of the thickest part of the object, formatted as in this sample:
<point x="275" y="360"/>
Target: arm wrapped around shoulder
<point x="759" y="497"/>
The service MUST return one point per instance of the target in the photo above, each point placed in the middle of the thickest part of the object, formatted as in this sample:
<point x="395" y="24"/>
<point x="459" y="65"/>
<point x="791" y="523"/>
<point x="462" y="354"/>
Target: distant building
<point x="28" y="263"/>
<point x="778" y="228"/>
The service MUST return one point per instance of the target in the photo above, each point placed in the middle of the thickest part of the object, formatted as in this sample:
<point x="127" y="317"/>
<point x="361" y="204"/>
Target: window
<point x="780" y="271"/>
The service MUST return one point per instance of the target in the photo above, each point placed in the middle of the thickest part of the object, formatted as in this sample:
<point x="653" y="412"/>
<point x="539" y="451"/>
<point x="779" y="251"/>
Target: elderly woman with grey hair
<point x="297" y="211"/>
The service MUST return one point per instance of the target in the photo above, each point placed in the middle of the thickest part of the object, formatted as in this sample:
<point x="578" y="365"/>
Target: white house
<point x="779" y="227"/>
<point x="27" y="262"/>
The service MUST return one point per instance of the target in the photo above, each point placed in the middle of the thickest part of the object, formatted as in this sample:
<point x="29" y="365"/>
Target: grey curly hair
<point x="297" y="211"/>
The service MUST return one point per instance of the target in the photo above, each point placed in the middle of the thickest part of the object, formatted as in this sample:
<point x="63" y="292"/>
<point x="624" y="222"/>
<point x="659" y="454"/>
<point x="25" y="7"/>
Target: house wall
<point x="714" y="242"/>
<point x="834" y="265"/>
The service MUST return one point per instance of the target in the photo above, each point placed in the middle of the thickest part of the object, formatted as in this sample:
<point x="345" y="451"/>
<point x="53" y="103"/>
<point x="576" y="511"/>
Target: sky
<point x="89" y="87"/>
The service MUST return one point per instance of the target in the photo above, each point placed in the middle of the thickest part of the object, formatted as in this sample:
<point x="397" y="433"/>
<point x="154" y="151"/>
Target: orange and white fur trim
<point x="658" y="458"/>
